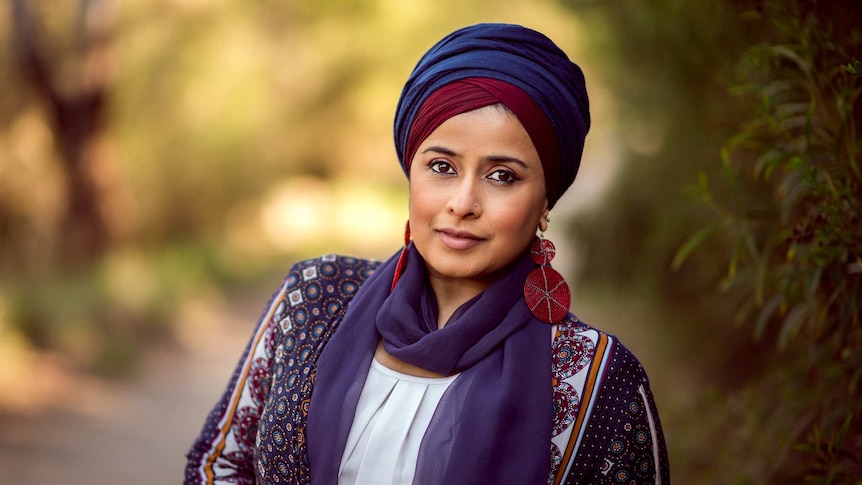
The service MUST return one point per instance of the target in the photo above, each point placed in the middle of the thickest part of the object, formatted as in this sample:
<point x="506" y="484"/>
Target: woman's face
<point x="477" y="195"/>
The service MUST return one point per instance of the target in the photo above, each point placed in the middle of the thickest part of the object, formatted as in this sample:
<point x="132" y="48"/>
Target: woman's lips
<point x="459" y="240"/>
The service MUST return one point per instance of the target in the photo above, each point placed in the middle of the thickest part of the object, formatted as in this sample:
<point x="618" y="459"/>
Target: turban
<point x="515" y="55"/>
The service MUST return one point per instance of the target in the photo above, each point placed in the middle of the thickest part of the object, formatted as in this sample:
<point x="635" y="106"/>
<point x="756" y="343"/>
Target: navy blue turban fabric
<point x="516" y="55"/>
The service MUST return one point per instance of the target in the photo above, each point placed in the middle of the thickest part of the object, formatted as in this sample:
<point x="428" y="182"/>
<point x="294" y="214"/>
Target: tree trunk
<point x="76" y="109"/>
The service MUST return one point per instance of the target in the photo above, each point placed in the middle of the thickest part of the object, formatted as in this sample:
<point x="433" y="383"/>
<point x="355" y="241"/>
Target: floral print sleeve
<point x="606" y="426"/>
<point x="223" y="451"/>
<point x="290" y="335"/>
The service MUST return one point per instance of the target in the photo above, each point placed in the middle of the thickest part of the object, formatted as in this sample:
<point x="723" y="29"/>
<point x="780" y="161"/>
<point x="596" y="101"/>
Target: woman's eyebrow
<point x="439" y="149"/>
<point x="507" y="159"/>
<point x="490" y="158"/>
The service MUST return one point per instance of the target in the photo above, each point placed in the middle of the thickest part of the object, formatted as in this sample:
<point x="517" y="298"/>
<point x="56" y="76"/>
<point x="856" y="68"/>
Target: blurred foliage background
<point x="155" y="153"/>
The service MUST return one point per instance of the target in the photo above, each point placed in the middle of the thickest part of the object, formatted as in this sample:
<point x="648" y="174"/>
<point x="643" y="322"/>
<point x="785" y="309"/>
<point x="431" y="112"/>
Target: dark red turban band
<point x="473" y="93"/>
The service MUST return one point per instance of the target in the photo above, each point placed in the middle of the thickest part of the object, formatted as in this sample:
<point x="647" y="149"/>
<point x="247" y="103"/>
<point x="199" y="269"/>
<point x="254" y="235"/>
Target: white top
<point x="393" y="413"/>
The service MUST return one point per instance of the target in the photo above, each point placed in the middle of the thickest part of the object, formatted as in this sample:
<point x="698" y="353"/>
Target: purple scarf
<point x="493" y="424"/>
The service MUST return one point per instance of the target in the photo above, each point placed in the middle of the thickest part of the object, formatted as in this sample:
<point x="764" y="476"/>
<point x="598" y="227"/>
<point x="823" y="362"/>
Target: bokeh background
<point x="162" y="163"/>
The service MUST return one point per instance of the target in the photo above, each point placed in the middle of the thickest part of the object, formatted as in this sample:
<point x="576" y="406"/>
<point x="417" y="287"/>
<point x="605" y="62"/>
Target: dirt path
<point x="135" y="432"/>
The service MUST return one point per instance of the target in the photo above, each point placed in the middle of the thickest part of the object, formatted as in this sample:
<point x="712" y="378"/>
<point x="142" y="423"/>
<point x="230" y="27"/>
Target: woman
<point x="456" y="361"/>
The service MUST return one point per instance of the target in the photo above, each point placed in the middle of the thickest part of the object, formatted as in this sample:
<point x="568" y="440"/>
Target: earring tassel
<point x="402" y="258"/>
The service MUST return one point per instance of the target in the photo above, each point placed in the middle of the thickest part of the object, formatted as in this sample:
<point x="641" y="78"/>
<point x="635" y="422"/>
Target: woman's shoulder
<point x="605" y="420"/>
<point x="339" y="259"/>
<point x="320" y="286"/>
<point x="593" y="347"/>
<point x="331" y="268"/>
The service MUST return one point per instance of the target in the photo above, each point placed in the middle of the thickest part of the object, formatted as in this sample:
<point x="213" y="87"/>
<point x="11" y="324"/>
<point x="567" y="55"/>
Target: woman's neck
<point x="451" y="294"/>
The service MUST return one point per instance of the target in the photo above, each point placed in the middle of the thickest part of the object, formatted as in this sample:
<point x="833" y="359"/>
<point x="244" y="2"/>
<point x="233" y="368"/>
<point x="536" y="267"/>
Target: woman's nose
<point x="464" y="200"/>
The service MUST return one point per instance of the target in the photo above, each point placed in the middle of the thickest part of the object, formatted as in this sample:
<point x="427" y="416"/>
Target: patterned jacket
<point x="606" y="428"/>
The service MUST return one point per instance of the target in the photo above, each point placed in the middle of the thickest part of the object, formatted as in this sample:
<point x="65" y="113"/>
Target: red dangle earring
<point x="545" y="291"/>
<point x="402" y="258"/>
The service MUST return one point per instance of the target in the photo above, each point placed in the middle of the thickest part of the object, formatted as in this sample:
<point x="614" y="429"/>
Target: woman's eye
<point x="503" y="176"/>
<point x="441" y="166"/>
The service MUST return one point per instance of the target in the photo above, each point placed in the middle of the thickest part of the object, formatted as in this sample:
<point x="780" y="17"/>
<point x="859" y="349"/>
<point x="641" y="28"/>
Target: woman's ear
<point x="543" y="222"/>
